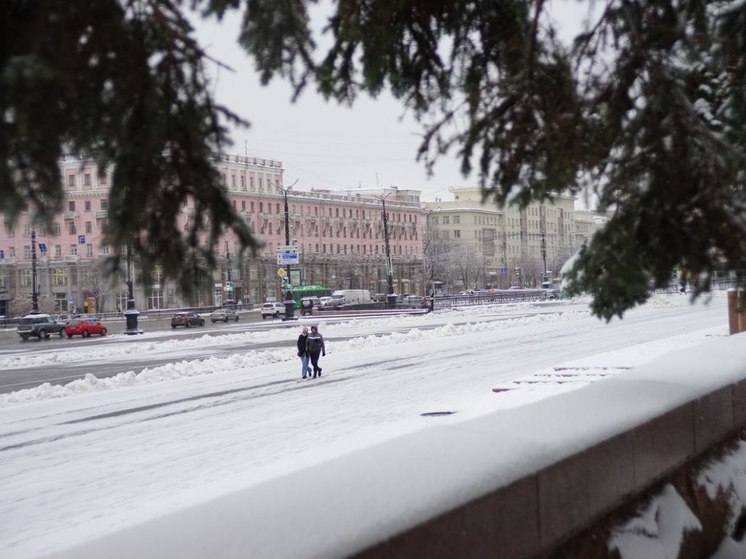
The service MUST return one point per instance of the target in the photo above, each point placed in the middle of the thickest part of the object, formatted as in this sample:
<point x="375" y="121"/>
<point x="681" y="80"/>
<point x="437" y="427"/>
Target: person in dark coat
<point x="315" y="347"/>
<point x="305" y="370"/>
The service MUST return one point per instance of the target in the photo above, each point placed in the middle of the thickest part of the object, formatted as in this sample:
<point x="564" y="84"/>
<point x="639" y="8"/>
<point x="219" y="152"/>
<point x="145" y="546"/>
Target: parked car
<point x="223" y="315"/>
<point x="187" y="319"/>
<point x="84" y="327"/>
<point x="39" y="325"/>
<point x="273" y="310"/>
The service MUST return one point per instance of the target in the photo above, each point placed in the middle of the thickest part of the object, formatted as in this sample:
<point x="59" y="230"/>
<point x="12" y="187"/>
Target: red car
<point x="84" y="327"/>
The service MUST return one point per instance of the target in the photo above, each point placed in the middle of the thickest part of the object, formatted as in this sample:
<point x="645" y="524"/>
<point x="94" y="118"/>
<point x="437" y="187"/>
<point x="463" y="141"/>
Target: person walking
<point x="314" y="347"/>
<point x="305" y="370"/>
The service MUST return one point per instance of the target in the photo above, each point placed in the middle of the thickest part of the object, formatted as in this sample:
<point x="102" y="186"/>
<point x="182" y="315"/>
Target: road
<point x="23" y="376"/>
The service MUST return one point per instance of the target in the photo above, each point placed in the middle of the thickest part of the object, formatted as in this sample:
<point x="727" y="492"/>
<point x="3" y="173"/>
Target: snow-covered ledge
<point x="508" y="484"/>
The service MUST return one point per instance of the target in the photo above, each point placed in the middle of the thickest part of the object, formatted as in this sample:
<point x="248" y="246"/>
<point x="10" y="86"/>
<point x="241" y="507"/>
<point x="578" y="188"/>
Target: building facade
<point x="472" y="245"/>
<point x="339" y="237"/>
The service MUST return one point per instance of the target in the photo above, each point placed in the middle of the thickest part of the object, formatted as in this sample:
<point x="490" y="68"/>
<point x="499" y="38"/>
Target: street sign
<point x="287" y="248"/>
<point x="281" y="272"/>
<point x="42" y="247"/>
<point x="2" y="254"/>
<point x="81" y="239"/>
<point x="287" y="258"/>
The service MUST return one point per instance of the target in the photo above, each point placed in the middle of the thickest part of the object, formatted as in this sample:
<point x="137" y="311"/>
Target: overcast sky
<point x="325" y="145"/>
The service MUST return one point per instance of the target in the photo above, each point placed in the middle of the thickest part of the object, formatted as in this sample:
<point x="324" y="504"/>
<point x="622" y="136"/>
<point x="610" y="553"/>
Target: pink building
<point x="339" y="236"/>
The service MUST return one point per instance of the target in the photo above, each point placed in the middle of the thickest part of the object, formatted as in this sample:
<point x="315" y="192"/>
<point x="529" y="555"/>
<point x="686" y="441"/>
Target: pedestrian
<point x="314" y="347"/>
<point x="305" y="370"/>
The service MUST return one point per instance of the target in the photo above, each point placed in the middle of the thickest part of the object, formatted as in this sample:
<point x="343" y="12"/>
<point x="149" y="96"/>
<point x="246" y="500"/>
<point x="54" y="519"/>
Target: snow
<point x="658" y="531"/>
<point x="199" y="451"/>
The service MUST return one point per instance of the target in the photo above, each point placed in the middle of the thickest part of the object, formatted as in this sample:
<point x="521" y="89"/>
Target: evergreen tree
<point x="647" y="108"/>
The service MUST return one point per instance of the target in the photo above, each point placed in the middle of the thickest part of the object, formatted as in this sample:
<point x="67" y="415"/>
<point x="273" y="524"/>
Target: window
<point x="456" y="234"/>
<point x="243" y="183"/>
<point x="12" y="252"/>
<point x="87" y="181"/>
<point x="456" y="219"/>
<point x="71" y="205"/>
<point x="88" y="227"/>
<point x="59" y="277"/>
<point x="58" y="251"/>
<point x="446" y="220"/>
<point x="71" y="181"/>
<point x="89" y="250"/>
<point x="102" y="178"/>
<point x="56" y="229"/>
<point x="88" y="205"/>
<point x="71" y="228"/>
<point x="73" y="250"/>
<point x="104" y="203"/>
<point x="27" y="252"/>
<point x="243" y="205"/>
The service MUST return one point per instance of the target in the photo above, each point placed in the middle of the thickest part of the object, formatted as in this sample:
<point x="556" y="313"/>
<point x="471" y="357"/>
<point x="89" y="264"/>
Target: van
<point x="353" y="296"/>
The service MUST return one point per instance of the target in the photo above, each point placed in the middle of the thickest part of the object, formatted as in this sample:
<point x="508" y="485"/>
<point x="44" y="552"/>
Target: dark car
<point x="187" y="319"/>
<point x="224" y="315"/>
<point x="39" y="325"/>
<point x="84" y="327"/>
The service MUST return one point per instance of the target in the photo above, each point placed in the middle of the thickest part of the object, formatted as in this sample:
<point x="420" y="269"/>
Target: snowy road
<point x="78" y="461"/>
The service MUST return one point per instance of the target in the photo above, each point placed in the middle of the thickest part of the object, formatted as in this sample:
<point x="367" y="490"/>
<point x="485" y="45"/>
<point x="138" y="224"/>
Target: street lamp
<point x="34" y="294"/>
<point x="131" y="313"/>
<point x="390" y="297"/>
<point x="289" y="302"/>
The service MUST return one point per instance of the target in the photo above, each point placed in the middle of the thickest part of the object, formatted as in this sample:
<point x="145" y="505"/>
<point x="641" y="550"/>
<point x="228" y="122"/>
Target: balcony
<point x="71" y="215"/>
<point x="102" y="214"/>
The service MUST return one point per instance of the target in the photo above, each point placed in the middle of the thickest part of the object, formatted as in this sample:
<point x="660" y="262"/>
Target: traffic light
<point x="229" y="286"/>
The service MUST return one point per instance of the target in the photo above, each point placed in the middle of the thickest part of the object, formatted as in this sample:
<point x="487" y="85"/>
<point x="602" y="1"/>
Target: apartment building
<point x="473" y="245"/>
<point x="339" y="236"/>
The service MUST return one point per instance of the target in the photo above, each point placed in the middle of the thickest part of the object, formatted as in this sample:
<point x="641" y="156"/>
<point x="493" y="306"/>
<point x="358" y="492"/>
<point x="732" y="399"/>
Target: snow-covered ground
<point x="98" y="455"/>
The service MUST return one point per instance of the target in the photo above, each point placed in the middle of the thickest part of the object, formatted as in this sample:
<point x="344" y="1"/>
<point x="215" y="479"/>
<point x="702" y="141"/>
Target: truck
<point x="353" y="296"/>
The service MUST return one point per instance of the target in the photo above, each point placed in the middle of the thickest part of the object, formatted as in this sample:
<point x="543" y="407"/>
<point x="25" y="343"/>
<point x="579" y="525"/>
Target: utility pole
<point x="34" y="294"/>
<point x="390" y="297"/>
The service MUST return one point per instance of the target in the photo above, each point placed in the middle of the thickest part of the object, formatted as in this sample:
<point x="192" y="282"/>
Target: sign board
<point x="287" y="258"/>
<point x="42" y="247"/>
<point x="81" y="239"/>
<point x="2" y="254"/>
<point x="281" y="272"/>
<point x="287" y="248"/>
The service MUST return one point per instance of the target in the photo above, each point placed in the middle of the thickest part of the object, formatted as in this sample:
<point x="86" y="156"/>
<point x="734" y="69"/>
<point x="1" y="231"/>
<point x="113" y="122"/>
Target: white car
<point x="273" y="310"/>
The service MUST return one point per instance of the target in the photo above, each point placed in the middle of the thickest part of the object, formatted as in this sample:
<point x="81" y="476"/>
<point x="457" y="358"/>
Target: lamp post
<point x="228" y="276"/>
<point x="390" y="297"/>
<point x="289" y="302"/>
<point x="544" y="257"/>
<point x="34" y="294"/>
<point x="131" y="313"/>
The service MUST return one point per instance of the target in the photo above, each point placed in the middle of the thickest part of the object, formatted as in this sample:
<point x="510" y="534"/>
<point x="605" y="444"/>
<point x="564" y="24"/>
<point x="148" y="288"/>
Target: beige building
<point x="472" y="245"/>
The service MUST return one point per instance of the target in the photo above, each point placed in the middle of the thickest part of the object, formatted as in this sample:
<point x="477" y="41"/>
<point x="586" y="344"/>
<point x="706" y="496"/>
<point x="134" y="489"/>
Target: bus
<point x="309" y="291"/>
